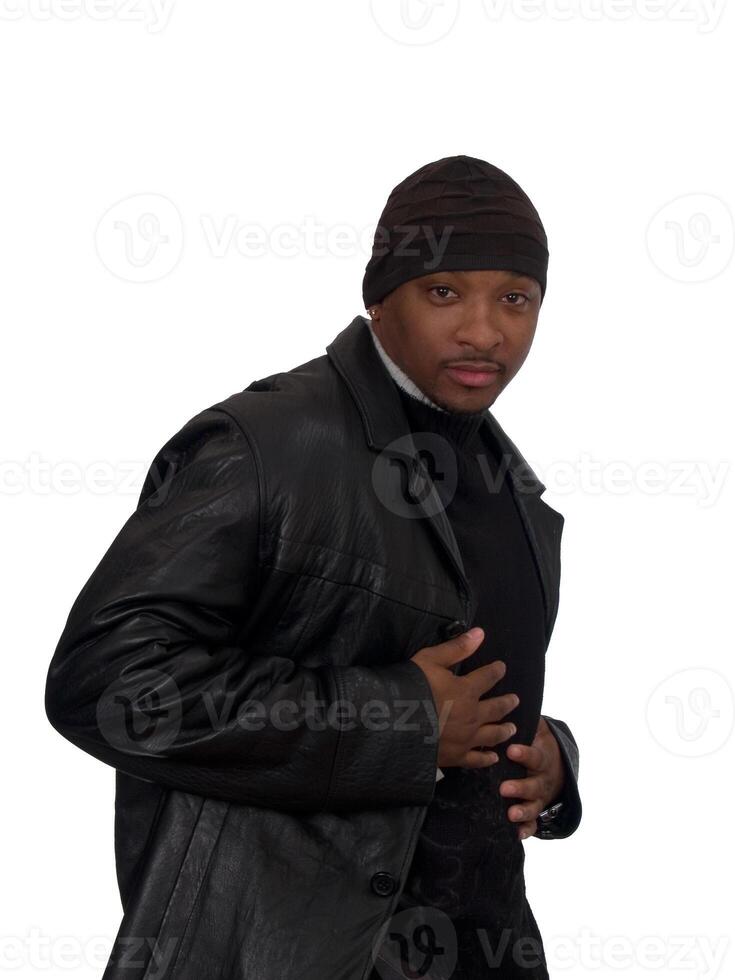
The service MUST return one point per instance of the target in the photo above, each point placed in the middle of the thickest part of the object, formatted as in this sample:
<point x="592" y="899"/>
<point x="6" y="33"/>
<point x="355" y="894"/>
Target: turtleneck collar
<point x="422" y="412"/>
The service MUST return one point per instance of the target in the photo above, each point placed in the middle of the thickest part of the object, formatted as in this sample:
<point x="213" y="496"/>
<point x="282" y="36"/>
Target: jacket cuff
<point x="387" y="749"/>
<point x="570" y="815"/>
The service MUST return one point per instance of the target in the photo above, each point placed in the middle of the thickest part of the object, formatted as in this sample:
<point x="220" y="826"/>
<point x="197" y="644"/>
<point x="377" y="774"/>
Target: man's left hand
<point x="544" y="783"/>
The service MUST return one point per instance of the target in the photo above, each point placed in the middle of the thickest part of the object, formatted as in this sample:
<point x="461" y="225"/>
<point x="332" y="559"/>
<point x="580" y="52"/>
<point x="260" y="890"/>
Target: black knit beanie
<point x="458" y="213"/>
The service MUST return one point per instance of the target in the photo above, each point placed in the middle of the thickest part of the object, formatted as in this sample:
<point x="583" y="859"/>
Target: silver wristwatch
<point x="547" y="817"/>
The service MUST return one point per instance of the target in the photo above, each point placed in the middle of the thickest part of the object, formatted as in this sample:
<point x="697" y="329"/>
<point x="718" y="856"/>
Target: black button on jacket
<point x="241" y="656"/>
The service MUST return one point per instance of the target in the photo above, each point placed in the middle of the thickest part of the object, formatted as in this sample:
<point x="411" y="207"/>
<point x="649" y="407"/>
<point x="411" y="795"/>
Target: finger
<point x="530" y="788"/>
<point x="520" y="813"/>
<point x="544" y="739"/>
<point x="495" y="709"/>
<point x="527" y="829"/>
<point x="530" y="756"/>
<point x="542" y="728"/>
<point x="456" y="649"/>
<point x="480" y="758"/>
<point x="494" y="734"/>
<point x="484" y="678"/>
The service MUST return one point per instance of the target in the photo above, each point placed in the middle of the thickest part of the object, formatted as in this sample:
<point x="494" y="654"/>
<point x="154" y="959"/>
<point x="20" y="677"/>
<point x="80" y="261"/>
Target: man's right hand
<point x="466" y="724"/>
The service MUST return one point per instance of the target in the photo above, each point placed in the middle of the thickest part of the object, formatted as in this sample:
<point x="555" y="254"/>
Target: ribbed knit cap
<point x="458" y="213"/>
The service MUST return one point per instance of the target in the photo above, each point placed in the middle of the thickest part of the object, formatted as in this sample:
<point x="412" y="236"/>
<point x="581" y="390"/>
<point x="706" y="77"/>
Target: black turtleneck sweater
<point x="469" y="861"/>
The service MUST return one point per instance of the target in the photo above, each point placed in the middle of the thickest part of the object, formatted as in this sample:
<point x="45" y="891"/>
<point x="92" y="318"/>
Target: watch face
<point x="550" y="812"/>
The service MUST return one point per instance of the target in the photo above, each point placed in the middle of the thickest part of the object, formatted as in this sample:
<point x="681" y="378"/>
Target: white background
<point x="616" y="118"/>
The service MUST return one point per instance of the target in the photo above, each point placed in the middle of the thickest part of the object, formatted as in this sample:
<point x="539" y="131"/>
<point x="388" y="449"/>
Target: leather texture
<point x="270" y="562"/>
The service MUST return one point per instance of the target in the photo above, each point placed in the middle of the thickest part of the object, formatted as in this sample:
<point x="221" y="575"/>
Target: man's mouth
<point x="474" y="376"/>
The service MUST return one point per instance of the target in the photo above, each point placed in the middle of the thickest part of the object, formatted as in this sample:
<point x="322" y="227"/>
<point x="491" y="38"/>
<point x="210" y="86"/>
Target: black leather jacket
<point x="268" y="568"/>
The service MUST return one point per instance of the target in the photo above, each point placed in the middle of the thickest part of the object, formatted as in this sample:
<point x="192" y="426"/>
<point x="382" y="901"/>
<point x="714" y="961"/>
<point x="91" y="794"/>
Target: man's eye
<point x="443" y="287"/>
<point x="521" y="295"/>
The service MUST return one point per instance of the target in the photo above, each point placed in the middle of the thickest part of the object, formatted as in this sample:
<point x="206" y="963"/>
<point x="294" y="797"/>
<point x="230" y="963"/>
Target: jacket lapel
<point x="386" y="429"/>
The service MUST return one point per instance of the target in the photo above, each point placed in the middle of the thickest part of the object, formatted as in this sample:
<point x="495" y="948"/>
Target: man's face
<point x="473" y="320"/>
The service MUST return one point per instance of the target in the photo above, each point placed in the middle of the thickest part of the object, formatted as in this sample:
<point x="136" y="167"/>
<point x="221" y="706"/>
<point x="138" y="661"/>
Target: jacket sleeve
<point x="570" y="815"/>
<point x="153" y="673"/>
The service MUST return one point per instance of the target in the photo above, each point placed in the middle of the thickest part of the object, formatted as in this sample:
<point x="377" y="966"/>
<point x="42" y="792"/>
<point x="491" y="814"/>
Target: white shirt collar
<point x="399" y="376"/>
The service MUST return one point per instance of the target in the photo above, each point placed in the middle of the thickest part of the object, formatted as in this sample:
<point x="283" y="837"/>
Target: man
<point x="314" y="750"/>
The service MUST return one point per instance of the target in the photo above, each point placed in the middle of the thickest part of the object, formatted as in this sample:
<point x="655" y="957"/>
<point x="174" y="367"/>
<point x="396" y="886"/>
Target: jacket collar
<point x="355" y="357"/>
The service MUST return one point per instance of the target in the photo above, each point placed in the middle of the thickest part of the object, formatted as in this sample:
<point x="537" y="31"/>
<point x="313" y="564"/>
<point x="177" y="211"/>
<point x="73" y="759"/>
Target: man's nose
<point x="481" y="329"/>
